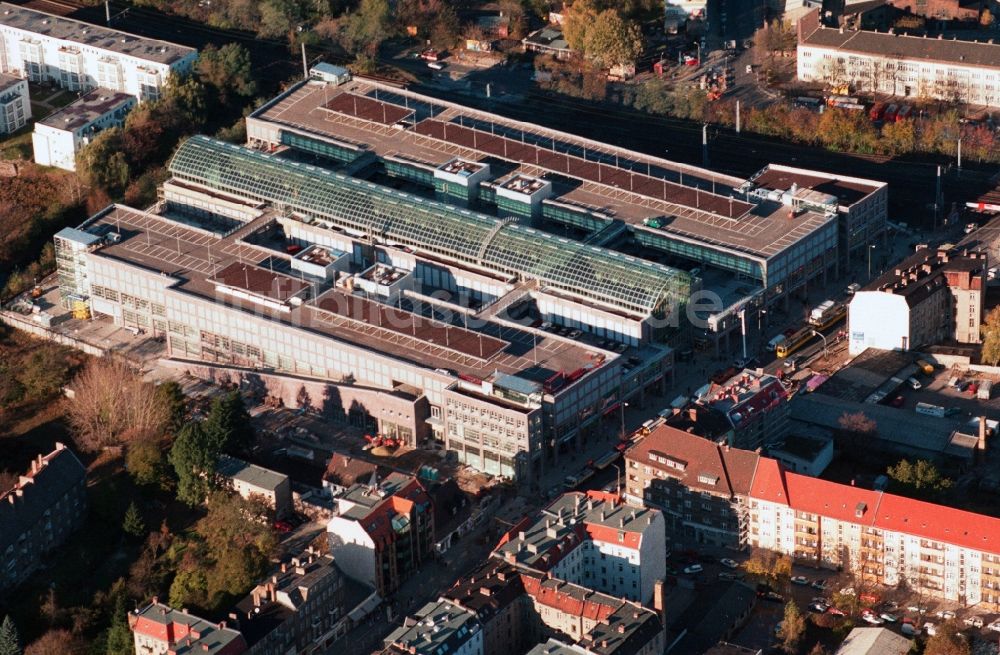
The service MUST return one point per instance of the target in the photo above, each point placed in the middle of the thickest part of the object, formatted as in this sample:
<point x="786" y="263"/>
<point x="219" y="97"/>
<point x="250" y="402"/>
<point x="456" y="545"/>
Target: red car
<point x="896" y="402"/>
<point x="282" y="526"/>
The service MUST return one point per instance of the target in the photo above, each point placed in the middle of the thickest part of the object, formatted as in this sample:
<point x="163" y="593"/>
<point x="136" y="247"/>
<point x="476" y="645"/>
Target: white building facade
<point x="58" y="137"/>
<point x="15" y="105"/>
<point x="79" y="56"/>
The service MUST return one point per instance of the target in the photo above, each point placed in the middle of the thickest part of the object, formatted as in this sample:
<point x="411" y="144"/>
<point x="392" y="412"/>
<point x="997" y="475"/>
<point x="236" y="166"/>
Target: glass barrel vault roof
<point x="396" y="217"/>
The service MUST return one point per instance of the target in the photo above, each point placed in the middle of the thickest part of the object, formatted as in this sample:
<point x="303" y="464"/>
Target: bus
<point x="796" y="341"/>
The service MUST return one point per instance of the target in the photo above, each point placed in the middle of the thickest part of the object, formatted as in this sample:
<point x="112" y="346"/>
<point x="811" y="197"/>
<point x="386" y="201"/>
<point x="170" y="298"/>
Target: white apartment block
<point x="899" y="65"/>
<point x="885" y="539"/>
<point x="593" y="540"/>
<point x="59" y="136"/>
<point x="15" y="105"/>
<point x="78" y="56"/>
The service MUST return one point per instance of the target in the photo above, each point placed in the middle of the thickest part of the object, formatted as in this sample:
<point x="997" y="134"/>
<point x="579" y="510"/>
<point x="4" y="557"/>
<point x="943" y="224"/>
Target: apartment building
<point x="47" y="504"/>
<point x="930" y="297"/>
<point x="60" y="135"/>
<point x="299" y="607"/>
<point x="252" y="481"/>
<point x="518" y="608"/>
<point x="753" y="404"/>
<point x="700" y="486"/>
<point x="594" y="540"/>
<point x="946" y="553"/>
<point x="15" y="105"/>
<point x="158" y="629"/>
<point x="438" y="627"/>
<point x="382" y="531"/>
<point x="915" y="67"/>
<point x="78" y="56"/>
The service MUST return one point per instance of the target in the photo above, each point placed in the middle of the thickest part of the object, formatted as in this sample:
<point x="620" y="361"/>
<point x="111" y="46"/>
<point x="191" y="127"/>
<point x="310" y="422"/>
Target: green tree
<point x="145" y="462"/>
<point x="193" y="457"/>
<point x="577" y="21"/>
<point x="366" y="28"/>
<point x="610" y="40"/>
<point x="990" y="331"/>
<point x="190" y="587"/>
<point x="102" y="162"/>
<point x="170" y="395"/>
<point x="228" y="423"/>
<point x="44" y="372"/>
<point x="948" y="640"/>
<point x="922" y="478"/>
<point x="10" y="643"/>
<point x="228" y="69"/>
<point x="119" y="637"/>
<point x="133" y="524"/>
<point x="793" y="627"/>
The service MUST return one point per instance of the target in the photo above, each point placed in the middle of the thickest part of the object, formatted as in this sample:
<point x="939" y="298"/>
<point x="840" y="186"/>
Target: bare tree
<point x="112" y="405"/>
<point x="7" y="481"/>
<point x="56" y="642"/>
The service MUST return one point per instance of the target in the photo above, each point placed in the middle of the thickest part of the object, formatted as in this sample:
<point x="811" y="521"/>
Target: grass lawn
<point x="18" y="146"/>
<point x="61" y="99"/>
<point x="40" y="93"/>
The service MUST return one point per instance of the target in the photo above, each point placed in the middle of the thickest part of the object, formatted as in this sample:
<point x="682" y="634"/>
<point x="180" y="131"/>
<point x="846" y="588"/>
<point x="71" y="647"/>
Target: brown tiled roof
<point x="700" y="459"/>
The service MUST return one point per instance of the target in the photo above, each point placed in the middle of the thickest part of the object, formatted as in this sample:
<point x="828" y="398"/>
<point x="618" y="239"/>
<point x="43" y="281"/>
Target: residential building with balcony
<point x="15" y="104"/>
<point x="438" y="627"/>
<point x="594" y="540"/>
<point x="754" y="404"/>
<point x="45" y="506"/>
<point x="382" y="531"/>
<point x="77" y="56"/>
<point x="158" y="629"/>
<point x="700" y="486"/>
<point x="930" y="297"/>
<point x="299" y="607"/>
<point x="914" y="67"/>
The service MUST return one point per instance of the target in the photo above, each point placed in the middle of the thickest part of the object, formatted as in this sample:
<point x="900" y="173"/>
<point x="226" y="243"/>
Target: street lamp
<point x="623" y="406"/>
<point x="870" y="248"/>
<point x="826" y="353"/>
<point x="618" y="480"/>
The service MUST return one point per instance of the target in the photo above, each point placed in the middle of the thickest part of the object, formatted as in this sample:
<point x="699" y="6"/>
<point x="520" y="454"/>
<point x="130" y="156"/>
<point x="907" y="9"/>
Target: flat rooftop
<point x="197" y="258"/>
<point x="91" y="36"/>
<point x="689" y="202"/>
<point x="257" y="476"/>
<point x="847" y="191"/>
<point x="87" y="109"/>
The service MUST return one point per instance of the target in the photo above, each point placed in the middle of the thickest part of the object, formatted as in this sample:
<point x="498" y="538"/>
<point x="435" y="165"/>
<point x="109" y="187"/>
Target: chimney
<point x="692" y="414"/>
<point x="284" y="567"/>
<point x="659" y="600"/>
<point x="511" y="557"/>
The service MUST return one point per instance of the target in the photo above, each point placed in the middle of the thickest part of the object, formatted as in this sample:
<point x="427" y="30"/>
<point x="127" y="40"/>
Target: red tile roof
<point x="881" y="510"/>
<point x="581" y="602"/>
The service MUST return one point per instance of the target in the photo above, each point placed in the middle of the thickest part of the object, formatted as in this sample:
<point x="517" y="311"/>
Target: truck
<point x="925" y="367"/>
<point x="930" y="410"/>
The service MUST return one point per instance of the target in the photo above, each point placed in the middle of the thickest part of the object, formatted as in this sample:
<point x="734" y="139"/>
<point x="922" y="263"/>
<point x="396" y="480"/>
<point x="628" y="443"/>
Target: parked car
<point x="908" y="629"/>
<point x="283" y="527"/>
<point x="773" y="597"/>
<point x="694" y="568"/>
<point x="792" y="362"/>
<point x="913" y="382"/>
<point x="747" y="362"/>
<point x="819" y="585"/>
<point x="819" y="608"/>
<point x="994" y="626"/>
<point x="897" y="402"/>
<point x="729" y="563"/>
<point x="888" y="618"/>
<point x="852" y="288"/>
<point x="726" y="575"/>
<point x="835" y="611"/>
<point x="945" y="614"/>
<point x="930" y="629"/>
<point x="869" y="616"/>
<point x="973" y="621"/>
<point x="799" y="580"/>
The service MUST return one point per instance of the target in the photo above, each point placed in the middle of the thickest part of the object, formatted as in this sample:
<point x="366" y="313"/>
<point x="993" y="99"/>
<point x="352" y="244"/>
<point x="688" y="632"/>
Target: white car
<point x="729" y="563"/>
<point x="799" y="580"/>
<point x="914" y="383"/>
<point x="694" y="568"/>
<point x="994" y="626"/>
<point x="973" y="621"/>
<point x="945" y="614"/>
<point x="869" y="617"/>
<point x="930" y="629"/>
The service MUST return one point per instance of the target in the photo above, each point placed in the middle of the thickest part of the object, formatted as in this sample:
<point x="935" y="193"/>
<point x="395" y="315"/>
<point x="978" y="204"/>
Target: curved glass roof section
<point x="392" y="216"/>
